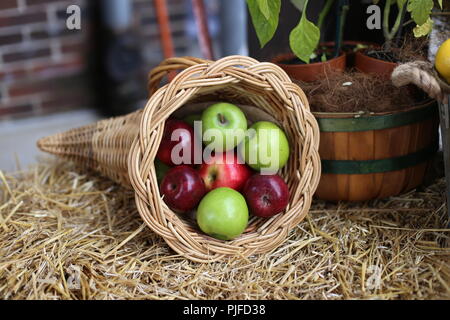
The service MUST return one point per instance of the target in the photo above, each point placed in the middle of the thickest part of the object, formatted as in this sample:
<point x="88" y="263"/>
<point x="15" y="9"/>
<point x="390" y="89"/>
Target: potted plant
<point x="370" y="153"/>
<point x="365" y="153"/>
<point x="308" y="60"/>
<point x="383" y="60"/>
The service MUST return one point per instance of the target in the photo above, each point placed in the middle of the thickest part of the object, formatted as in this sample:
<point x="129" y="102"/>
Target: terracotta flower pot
<point x="312" y="71"/>
<point x="351" y="53"/>
<point x="366" y="64"/>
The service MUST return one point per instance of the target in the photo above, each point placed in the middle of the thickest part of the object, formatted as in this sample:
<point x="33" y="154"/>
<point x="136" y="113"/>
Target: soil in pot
<point x="359" y="92"/>
<point x="376" y="140"/>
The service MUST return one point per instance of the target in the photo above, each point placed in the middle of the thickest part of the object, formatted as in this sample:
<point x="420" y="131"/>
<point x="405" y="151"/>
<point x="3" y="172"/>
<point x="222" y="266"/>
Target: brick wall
<point x="44" y="66"/>
<point x="42" y="63"/>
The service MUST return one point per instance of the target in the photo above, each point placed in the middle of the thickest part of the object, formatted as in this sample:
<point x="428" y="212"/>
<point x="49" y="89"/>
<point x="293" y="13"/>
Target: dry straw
<point x="124" y="148"/>
<point x="67" y="233"/>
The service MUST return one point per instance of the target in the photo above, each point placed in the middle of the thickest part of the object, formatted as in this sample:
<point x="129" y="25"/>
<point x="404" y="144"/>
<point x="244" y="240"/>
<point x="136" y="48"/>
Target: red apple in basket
<point x="182" y="188"/>
<point x="266" y="195"/>
<point x="177" y="143"/>
<point x="223" y="169"/>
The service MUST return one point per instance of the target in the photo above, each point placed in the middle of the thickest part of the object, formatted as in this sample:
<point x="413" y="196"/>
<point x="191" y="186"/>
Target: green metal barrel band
<point x="367" y="123"/>
<point x="378" y="166"/>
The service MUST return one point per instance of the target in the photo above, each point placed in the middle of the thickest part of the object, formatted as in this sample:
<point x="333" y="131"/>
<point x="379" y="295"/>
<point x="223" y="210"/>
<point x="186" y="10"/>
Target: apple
<point x="177" y="134"/>
<point x="160" y="169"/>
<point x="222" y="214"/>
<point x="223" y="126"/>
<point x="223" y="169"/>
<point x="182" y="188"/>
<point x="266" y="195"/>
<point x="265" y="147"/>
<point x="190" y="119"/>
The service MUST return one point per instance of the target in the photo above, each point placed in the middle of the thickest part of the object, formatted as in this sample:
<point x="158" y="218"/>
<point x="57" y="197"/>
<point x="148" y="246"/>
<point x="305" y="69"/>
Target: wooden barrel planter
<point x="379" y="155"/>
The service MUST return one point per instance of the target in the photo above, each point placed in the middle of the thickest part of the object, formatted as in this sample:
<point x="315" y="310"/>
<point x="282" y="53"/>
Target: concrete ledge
<point x="18" y="137"/>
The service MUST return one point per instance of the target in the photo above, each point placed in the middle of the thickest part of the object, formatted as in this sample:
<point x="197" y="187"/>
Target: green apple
<point x="223" y="213"/>
<point x="265" y="147"/>
<point x="193" y="117"/>
<point x="223" y="126"/>
<point x="161" y="170"/>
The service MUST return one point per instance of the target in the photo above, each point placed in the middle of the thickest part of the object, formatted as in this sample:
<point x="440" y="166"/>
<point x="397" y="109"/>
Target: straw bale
<point x="71" y="234"/>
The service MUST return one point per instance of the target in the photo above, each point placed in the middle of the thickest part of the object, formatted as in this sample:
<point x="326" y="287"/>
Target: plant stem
<point x="341" y="13"/>
<point x="387" y="11"/>
<point x="390" y="34"/>
<point x="345" y="9"/>
<point x="402" y="13"/>
<point x="324" y="13"/>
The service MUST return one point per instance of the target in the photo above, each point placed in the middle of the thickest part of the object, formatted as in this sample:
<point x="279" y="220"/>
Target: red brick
<point x="24" y="109"/>
<point x="33" y="2"/>
<point x="51" y="69"/>
<point x="26" y="55"/>
<point x="58" y="85"/>
<point x="68" y="98"/>
<point x="11" y="38"/>
<point x="45" y="34"/>
<point x="78" y="47"/>
<point x="13" y="73"/>
<point x="8" y="4"/>
<point x="22" y="19"/>
<point x="26" y="89"/>
<point x="45" y="69"/>
<point x="72" y="102"/>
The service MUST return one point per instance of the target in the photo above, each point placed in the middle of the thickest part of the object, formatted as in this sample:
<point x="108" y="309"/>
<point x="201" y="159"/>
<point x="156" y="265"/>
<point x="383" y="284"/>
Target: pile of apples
<point x="224" y="187"/>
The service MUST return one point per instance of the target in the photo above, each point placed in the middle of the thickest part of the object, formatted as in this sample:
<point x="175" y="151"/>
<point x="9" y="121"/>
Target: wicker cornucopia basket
<point x="124" y="148"/>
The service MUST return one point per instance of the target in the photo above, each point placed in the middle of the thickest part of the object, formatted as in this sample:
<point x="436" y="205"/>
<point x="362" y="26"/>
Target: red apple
<point x="223" y="170"/>
<point x="182" y="188"/>
<point x="266" y="195"/>
<point x="184" y="140"/>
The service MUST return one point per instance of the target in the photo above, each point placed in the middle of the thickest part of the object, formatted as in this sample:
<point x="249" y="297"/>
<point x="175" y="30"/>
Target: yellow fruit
<point x="442" y="62"/>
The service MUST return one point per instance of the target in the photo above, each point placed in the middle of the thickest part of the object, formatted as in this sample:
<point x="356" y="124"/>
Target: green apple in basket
<point x="223" y="213"/>
<point x="223" y="126"/>
<point x="265" y="147"/>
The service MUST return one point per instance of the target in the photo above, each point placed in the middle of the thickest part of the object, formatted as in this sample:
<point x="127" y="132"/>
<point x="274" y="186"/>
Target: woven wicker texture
<point x="107" y="145"/>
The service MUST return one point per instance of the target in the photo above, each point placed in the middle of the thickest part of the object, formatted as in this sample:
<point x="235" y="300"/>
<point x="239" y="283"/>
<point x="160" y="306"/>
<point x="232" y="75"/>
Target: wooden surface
<point x="375" y="145"/>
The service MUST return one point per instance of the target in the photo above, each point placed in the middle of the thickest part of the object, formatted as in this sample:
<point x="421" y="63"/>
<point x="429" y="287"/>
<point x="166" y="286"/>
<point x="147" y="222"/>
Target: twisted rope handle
<point x="423" y="75"/>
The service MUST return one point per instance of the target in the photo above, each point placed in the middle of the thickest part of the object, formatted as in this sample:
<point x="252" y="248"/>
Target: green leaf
<point x="304" y="38"/>
<point x="265" y="28"/>
<point x="264" y="8"/>
<point x="423" y="30"/>
<point x="299" y="4"/>
<point x="440" y="4"/>
<point x="420" y="10"/>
